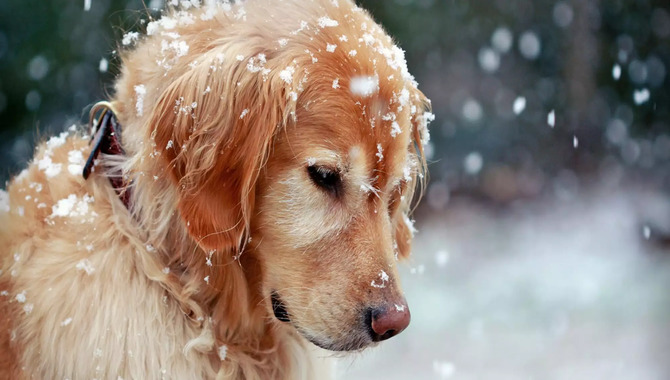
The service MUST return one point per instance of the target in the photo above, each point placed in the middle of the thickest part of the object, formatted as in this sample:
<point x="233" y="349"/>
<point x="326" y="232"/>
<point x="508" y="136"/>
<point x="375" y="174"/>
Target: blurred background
<point x="543" y="249"/>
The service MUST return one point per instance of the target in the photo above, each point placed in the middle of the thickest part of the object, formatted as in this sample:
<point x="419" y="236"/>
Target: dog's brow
<point x="324" y="157"/>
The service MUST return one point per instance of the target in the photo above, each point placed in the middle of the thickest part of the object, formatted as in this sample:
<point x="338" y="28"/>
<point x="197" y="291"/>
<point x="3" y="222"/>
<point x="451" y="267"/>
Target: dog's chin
<point x="349" y="346"/>
<point x="357" y="342"/>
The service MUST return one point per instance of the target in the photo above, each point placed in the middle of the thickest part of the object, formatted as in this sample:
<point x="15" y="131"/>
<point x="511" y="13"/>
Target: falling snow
<point x="530" y="45"/>
<point x="519" y="105"/>
<point x="472" y="110"/>
<point x="473" y="163"/>
<point x="616" y="72"/>
<point x="441" y="258"/>
<point x="551" y="118"/>
<point x="638" y="74"/>
<point x="444" y="370"/>
<point x="103" y="65"/>
<point x="502" y="40"/>
<point x="641" y="96"/>
<point x="489" y="59"/>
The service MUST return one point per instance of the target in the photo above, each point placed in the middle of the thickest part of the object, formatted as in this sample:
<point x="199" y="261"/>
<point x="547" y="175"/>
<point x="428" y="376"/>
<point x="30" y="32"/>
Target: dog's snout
<point x="388" y="321"/>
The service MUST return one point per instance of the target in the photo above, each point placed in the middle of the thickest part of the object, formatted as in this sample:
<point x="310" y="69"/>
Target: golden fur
<point x="223" y="108"/>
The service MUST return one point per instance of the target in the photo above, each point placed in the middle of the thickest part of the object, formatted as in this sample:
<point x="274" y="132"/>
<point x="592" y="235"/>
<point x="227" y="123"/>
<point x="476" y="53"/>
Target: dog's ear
<point x="403" y="225"/>
<point x="214" y="127"/>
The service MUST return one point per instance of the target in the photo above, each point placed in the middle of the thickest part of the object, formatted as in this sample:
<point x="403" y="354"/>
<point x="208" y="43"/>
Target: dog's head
<point x="300" y="142"/>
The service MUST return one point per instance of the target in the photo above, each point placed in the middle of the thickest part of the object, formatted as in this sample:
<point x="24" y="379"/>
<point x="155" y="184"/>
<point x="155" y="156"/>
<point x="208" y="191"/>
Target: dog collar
<point x="106" y="139"/>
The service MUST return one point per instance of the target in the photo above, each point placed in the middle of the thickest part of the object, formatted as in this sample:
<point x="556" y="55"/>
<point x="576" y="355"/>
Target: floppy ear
<point x="213" y="128"/>
<point x="404" y="226"/>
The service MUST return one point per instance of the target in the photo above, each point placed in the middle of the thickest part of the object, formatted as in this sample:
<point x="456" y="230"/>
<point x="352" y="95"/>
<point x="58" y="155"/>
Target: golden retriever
<point x="271" y="152"/>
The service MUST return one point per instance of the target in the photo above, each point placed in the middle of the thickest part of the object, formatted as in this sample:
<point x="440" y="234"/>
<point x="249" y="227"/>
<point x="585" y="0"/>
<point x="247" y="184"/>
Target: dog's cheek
<point x="300" y="214"/>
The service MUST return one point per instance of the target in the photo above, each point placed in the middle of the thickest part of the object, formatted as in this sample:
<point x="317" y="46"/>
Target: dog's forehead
<point x="356" y="134"/>
<point x="368" y="116"/>
<point x="357" y="91"/>
<point x="353" y="135"/>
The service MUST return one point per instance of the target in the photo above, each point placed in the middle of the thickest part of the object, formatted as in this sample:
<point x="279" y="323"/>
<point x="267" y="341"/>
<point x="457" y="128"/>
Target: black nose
<point x="387" y="321"/>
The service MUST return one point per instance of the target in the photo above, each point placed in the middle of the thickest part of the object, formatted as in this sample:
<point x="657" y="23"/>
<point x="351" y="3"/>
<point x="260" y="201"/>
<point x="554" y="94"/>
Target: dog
<point x="246" y="203"/>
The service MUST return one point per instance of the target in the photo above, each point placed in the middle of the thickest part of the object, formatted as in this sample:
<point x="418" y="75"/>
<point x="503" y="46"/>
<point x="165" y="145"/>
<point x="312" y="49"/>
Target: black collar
<point x="106" y="139"/>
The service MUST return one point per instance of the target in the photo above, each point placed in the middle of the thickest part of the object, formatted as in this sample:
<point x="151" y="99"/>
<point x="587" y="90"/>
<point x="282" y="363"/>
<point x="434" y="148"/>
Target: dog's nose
<point x="388" y="321"/>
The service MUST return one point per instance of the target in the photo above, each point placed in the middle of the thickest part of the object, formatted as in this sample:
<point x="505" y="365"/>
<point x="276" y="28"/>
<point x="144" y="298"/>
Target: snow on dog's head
<point x="262" y="120"/>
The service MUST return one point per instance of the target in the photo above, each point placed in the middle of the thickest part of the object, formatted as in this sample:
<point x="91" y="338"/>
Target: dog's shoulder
<point x="38" y="196"/>
<point x="51" y="219"/>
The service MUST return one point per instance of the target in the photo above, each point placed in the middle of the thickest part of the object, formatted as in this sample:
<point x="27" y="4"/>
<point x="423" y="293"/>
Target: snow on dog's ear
<point x="404" y="226"/>
<point x="215" y="125"/>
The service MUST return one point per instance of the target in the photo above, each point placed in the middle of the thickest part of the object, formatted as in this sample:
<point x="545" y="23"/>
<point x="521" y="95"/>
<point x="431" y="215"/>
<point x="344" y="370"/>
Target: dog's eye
<point x="325" y="178"/>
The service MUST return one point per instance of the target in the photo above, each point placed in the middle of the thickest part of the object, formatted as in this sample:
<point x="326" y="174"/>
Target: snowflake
<point x="85" y="266"/>
<point x="140" y="92"/>
<point x="223" y="352"/>
<point x="287" y="74"/>
<point x="383" y="277"/>
<point x="327" y="22"/>
<point x="364" y="86"/>
<point x="130" y="38"/>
